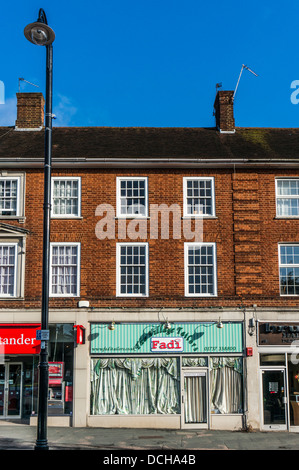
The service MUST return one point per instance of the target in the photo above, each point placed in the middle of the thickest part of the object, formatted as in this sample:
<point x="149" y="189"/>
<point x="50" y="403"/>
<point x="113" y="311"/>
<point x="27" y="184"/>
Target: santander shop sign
<point x="19" y="339"/>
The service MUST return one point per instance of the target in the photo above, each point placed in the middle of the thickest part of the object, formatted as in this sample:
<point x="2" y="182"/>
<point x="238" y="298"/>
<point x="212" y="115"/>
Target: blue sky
<point x="156" y="62"/>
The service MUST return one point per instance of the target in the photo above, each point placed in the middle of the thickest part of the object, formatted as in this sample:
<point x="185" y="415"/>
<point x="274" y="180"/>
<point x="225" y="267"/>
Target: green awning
<point x="153" y="338"/>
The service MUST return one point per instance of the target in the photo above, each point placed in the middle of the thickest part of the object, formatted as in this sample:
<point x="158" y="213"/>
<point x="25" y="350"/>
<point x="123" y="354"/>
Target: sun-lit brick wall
<point x="245" y="230"/>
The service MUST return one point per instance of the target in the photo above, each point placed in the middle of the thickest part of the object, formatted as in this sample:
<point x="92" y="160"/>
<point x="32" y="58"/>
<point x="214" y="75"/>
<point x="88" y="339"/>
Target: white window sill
<point x="199" y="216"/>
<point x="289" y="295"/>
<point x="64" y="296"/>
<point x="134" y="216"/>
<point x="63" y="217"/>
<point x="11" y="298"/>
<point x="134" y="296"/>
<point x="201" y="295"/>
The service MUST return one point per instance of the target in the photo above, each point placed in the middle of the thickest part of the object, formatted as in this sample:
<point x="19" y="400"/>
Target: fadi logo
<point x="162" y="344"/>
<point x="2" y="100"/>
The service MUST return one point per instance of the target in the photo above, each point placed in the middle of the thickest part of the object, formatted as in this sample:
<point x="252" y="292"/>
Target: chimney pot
<point x="224" y="111"/>
<point x="30" y="111"/>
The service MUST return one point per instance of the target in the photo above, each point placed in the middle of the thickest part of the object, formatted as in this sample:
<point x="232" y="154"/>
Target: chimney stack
<point x="224" y="111"/>
<point x="30" y="111"/>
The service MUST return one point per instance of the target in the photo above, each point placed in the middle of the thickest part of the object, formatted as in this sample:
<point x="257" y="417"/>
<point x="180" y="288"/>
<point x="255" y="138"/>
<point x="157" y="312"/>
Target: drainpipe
<point x="245" y="389"/>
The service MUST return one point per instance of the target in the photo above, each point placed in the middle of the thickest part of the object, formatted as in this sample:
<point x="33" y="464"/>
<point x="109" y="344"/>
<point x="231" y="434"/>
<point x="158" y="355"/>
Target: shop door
<point x="274" y="399"/>
<point x="194" y="399"/>
<point x="10" y="390"/>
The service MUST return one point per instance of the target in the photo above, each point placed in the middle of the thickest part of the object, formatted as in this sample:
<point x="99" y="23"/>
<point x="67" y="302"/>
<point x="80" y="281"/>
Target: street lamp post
<point x="41" y="34"/>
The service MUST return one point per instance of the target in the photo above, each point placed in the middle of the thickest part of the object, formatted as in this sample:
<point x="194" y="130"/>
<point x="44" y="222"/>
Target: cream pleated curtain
<point x="151" y="386"/>
<point x="134" y="386"/>
<point x="226" y="384"/>
<point x="195" y="399"/>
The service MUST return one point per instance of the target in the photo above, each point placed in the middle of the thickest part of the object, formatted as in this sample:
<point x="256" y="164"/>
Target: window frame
<point x="281" y="265"/>
<point x="71" y="244"/>
<point x="65" y="178"/>
<point x="185" y="196"/>
<point x="118" y="269"/>
<point x="16" y="267"/>
<point x="188" y="245"/>
<point x="285" y="197"/>
<point x="119" y="179"/>
<point x="20" y="206"/>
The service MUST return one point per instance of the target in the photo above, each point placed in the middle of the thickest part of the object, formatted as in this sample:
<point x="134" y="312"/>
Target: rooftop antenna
<point x="242" y="68"/>
<point x="23" y="80"/>
<point x="218" y="86"/>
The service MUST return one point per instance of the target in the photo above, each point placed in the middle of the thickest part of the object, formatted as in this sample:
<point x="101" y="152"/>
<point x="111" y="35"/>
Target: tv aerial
<point x="23" y="80"/>
<point x="242" y="68"/>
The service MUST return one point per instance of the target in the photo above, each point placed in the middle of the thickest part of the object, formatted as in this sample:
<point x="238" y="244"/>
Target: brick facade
<point x="245" y="230"/>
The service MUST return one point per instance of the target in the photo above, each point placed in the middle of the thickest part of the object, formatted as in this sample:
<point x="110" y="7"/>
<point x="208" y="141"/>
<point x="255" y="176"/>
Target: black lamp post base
<point x="41" y="444"/>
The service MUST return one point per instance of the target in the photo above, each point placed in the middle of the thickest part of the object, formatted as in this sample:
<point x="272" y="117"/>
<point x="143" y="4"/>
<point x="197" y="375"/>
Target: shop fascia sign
<point x="278" y="333"/>
<point x="189" y="337"/>
<point x="19" y="339"/>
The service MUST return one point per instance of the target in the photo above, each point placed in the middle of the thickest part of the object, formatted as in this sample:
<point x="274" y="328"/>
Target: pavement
<point x="143" y="442"/>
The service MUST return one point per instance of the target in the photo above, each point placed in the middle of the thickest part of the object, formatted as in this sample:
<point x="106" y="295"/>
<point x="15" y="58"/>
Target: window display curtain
<point x="194" y="361"/>
<point x="134" y="386"/>
<point x="195" y="392"/>
<point x="226" y="384"/>
<point x="195" y="400"/>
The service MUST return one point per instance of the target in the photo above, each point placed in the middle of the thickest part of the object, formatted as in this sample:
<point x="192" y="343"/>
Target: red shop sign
<point x="19" y="339"/>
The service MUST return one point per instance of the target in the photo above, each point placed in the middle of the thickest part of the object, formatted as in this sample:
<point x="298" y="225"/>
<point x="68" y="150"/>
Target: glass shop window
<point x="61" y="360"/>
<point x="135" y="386"/>
<point x="226" y="385"/>
<point x="272" y="359"/>
<point x="293" y="384"/>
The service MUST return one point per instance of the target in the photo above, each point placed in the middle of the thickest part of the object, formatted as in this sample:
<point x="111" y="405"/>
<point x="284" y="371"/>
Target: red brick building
<point x="176" y="251"/>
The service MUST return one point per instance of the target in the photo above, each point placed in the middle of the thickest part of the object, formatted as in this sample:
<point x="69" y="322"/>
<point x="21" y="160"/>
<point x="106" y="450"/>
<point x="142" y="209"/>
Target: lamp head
<point x="40" y="33"/>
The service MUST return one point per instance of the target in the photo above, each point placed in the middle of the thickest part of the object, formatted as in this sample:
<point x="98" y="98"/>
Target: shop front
<point x="178" y="375"/>
<point x="279" y="375"/>
<point x="61" y="363"/>
<point x="19" y="358"/>
<point x="19" y="351"/>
